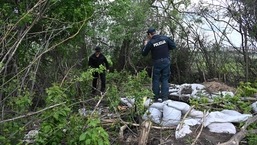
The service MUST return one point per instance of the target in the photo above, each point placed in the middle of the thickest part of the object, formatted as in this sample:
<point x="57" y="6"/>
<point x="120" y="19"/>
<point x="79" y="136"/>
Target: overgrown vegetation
<point x="44" y="77"/>
<point x="63" y="123"/>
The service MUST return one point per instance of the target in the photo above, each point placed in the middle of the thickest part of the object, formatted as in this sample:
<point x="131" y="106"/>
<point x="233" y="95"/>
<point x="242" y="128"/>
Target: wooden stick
<point x="144" y="132"/>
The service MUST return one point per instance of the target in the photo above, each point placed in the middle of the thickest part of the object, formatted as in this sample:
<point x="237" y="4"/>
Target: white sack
<point x="171" y="116"/>
<point x="222" y="128"/>
<point x="184" y="107"/>
<point x="192" y="121"/>
<point x="183" y="131"/>
<point x="196" y="113"/>
<point x="231" y="112"/>
<point x="254" y="106"/>
<point x="225" y="116"/>
<point x="153" y="114"/>
<point x="157" y="105"/>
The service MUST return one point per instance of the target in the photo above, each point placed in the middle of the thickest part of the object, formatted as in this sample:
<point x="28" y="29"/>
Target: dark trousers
<point x="103" y="81"/>
<point x="161" y="74"/>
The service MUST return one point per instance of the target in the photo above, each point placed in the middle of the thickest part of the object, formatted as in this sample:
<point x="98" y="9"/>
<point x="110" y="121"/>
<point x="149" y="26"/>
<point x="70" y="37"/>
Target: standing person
<point x="95" y="60"/>
<point x="160" y="47"/>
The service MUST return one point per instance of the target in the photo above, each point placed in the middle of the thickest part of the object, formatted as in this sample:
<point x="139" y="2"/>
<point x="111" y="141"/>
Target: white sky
<point x="233" y="35"/>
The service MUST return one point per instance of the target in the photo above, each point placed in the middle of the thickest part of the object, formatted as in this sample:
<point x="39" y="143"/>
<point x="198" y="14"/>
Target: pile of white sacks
<point x="180" y="114"/>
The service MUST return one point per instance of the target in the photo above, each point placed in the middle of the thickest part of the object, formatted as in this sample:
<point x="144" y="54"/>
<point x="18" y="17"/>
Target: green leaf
<point x="100" y="142"/>
<point x="88" y="141"/>
<point x="82" y="137"/>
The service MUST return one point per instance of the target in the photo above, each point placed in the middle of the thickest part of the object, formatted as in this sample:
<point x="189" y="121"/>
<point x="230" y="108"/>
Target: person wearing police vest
<point x="95" y="60"/>
<point x="160" y="47"/>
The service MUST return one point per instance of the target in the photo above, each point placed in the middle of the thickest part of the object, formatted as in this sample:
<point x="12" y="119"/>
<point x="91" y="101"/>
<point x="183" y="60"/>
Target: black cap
<point x="97" y="49"/>
<point x="150" y="30"/>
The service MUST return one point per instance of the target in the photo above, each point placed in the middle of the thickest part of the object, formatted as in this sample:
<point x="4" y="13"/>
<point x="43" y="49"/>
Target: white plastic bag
<point x="182" y="131"/>
<point x="225" y="116"/>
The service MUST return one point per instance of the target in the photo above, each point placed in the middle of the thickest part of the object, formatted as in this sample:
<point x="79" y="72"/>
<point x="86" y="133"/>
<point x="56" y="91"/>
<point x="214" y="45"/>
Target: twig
<point x="96" y="106"/>
<point x="31" y="113"/>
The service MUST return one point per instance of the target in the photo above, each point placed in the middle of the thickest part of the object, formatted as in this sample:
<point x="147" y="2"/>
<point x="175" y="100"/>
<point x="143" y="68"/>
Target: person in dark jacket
<point x="95" y="60"/>
<point x="160" y="47"/>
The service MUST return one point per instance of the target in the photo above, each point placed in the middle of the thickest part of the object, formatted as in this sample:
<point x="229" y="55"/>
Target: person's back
<point x="160" y="47"/>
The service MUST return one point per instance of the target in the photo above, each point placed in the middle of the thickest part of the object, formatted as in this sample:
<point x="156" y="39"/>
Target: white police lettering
<point x="159" y="43"/>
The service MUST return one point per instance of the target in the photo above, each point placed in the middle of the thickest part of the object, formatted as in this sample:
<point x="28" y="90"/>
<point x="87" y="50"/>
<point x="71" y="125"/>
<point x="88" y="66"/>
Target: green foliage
<point x="11" y="132"/>
<point x="127" y="18"/>
<point x="95" y="134"/>
<point x="108" y="57"/>
<point x="252" y="138"/>
<point x="130" y="86"/>
<point x="55" y="94"/>
<point x="222" y="102"/>
<point x="135" y="87"/>
<point x="51" y="129"/>
<point x="23" y="101"/>
<point x="247" y="89"/>
<point x="71" y="11"/>
<point x="60" y="124"/>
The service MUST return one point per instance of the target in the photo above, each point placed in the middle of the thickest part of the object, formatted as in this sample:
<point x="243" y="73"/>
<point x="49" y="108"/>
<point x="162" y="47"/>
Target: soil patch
<point x="215" y="86"/>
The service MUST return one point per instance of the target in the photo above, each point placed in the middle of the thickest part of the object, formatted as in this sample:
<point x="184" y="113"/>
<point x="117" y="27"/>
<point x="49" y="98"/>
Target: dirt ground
<point x="216" y="86"/>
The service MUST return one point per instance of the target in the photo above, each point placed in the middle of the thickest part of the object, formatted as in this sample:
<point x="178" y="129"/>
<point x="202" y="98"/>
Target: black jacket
<point x="159" y="46"/>
<point x="95" y="62"/>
